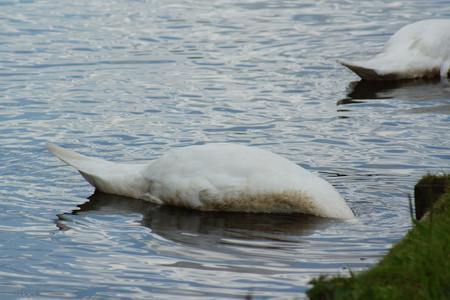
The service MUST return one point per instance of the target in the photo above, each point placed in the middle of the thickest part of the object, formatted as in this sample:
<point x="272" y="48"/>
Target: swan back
<point x="420" y="49"/>
<point x="215" y="177"/>
<point x="230" y="177"/>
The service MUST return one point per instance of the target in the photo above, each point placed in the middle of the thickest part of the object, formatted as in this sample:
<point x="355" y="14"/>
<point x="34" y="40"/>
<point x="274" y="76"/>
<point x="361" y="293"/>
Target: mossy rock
<point x="427" y="191"/>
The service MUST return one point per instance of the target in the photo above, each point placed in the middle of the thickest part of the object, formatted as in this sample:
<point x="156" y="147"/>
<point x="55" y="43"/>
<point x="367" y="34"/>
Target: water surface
<point x="128" y="80"/>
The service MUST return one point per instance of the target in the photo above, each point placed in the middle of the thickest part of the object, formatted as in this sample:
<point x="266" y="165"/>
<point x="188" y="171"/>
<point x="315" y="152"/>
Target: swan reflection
<point x="181" y="225"/>
<point x="434" y="92"/>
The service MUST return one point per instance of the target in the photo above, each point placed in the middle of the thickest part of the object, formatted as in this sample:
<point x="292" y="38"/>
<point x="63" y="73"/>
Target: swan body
<point x="215" y="177"/>
<point x="418" y="50"/>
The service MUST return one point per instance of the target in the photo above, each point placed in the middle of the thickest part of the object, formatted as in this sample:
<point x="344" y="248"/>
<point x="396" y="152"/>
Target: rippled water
<point x="127" y="80"/>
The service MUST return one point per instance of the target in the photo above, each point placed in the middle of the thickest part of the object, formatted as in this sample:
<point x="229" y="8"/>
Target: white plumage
<point x="420" y="49"/>
<point x="215" y="177"/>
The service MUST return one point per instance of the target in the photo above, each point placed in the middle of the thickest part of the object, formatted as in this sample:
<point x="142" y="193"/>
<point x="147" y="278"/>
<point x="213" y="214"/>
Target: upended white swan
<point x="418" y="50"/>
<point x="215" y="177"/>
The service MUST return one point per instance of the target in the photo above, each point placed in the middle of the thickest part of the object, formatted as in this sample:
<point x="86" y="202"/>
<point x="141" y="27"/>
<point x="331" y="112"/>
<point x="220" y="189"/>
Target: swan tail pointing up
<point x="108" y="177"/>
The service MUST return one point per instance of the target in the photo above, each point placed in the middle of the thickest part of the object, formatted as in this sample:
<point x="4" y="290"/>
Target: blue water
<point x="128" y="80"/>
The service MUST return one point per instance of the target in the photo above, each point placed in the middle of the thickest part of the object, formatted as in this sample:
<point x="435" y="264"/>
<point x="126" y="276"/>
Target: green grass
<point x="441" y="177"/>
<point x="418" y="267"/>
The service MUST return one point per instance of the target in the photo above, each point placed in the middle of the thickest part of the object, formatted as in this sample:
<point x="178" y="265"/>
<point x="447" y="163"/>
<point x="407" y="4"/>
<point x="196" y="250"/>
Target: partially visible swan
<point x="215" y="177"/>
<point x="420" y="49"/>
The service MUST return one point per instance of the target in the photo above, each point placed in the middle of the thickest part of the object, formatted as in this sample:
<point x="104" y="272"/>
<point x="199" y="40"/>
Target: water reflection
<point x="434" y="92"/>
<point x="180" y="224"/>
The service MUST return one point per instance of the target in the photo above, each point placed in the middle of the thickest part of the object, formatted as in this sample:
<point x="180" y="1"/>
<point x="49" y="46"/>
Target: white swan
<point x="420" y="49"/>
<point x="215" y="177"/>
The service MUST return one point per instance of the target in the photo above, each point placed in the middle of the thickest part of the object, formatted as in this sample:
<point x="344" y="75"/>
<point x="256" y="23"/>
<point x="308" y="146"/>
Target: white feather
<point x="215" y="177"/>
<point x="420" y="49"/>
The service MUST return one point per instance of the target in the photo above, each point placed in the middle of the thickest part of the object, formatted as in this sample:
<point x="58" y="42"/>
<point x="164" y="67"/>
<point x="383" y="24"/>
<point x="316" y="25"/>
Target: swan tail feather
<point x="71" y="158"/>
<point x="365" y="73"/>
<point x="106" y="176"/>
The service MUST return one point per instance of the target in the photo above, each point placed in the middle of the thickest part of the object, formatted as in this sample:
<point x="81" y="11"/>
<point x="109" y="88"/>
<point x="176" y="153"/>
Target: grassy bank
<point x="418" y="267"/>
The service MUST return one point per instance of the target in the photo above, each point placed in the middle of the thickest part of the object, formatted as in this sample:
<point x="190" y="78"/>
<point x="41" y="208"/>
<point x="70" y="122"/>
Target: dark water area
<point x="128" y="80"/>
